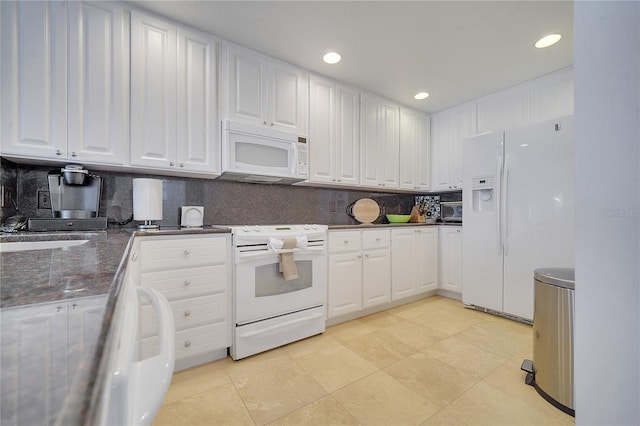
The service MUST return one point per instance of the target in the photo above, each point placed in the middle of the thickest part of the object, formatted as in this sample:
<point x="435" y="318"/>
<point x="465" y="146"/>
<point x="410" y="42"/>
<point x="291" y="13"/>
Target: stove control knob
<point x="314" y="226"/>
<point x="256" y="228"/>
<point x="246" y="228"/>
<point x="306" y="226"/>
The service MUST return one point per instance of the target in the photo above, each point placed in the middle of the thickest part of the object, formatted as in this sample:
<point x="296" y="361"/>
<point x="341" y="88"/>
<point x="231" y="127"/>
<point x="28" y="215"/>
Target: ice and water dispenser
<point x="483" y="194"/>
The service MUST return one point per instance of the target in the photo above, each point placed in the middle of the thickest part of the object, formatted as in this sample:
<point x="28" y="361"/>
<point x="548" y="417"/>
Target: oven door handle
<point x="249" y="255"/>
<point x="281" y="325"/>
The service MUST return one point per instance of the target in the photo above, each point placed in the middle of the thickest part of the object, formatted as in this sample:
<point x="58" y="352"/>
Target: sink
<point x="38" y="245"/>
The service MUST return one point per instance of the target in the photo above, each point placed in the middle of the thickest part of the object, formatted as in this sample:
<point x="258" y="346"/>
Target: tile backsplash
<point x="225" y="203"/>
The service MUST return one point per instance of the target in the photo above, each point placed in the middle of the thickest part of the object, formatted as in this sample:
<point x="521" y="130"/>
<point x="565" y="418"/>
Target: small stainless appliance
<point x="75" y="201"/>
<point x="451" y="211"/>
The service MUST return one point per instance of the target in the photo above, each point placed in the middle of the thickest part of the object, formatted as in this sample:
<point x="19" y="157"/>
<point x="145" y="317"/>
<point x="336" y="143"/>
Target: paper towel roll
<point x="147" y="199"/>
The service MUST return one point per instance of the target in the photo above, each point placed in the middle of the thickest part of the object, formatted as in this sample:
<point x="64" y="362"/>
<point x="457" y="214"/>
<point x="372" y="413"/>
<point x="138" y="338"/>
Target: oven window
<point x="270" y="282"/>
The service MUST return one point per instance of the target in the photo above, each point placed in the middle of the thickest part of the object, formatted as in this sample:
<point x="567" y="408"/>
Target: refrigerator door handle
<point x="505" y="201"/>
<point x="499" y="207"/>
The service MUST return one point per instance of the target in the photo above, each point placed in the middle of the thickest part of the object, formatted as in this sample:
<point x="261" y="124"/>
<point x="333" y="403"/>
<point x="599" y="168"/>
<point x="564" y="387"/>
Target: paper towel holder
<point x="147" y="202"/>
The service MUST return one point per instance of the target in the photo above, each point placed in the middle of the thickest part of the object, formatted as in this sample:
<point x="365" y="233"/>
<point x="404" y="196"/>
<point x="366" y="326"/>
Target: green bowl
<point x="398" y="218"/>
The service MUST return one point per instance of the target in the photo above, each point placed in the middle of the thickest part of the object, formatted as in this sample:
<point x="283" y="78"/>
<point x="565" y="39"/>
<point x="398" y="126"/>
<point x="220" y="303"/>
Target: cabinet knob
<point x="74" y="306"/>
<point x="339" y="180"/>
<point x="58" y="152"/>
<point x="187" y="252"/>
<point x="187" y="344"/>
<point x="264" y="123"/>
<point x="458" y="231"/>
<point x="377" y="240"/>
<point x="58" y="308"/>
<point x="73" y="154"/>
<point x="359" y="256"/>
<point x="171" y="163"/>
<point x="271" y="124"/>
<point x="346" y="241"/>
<point x="187" y="283"/>
<point x="134" y="257"/>
<point x="187" y="313"/>
<point x="366" y="255"/>
<point x="181" y="164"/>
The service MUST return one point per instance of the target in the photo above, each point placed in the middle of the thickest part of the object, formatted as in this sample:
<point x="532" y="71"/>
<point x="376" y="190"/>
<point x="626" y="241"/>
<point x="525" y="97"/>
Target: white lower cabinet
<point x="359" y="270"/>
<point x="193" y="272"/>
<point x="451" y="258"/>
<point x="414" y="261"/>
<point x="63" y="333"/>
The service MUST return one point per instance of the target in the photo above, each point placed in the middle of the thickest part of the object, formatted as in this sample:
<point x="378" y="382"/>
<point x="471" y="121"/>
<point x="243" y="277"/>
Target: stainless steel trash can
<point x="553" y="316"/>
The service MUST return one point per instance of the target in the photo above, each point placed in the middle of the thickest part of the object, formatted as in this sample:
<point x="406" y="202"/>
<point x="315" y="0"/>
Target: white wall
<point x="607" y="164"/>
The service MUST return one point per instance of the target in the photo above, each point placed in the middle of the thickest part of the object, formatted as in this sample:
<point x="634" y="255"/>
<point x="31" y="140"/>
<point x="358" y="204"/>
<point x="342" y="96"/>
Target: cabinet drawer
<point x="184" y="283"/>
<point x="161" y="254"/>
<point x="187" y="313"/>
<point x="192" y="341"/>
<point x="343" y="241"/>
<point x="376" y="239"/>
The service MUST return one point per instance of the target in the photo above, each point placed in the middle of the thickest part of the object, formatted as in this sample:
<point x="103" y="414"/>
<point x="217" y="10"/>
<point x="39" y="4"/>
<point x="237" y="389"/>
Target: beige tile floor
<point x="431" y="362"/>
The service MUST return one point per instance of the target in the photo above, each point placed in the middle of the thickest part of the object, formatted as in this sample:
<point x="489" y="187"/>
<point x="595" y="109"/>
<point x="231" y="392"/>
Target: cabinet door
<point x="552" y="96"/>
<point x="451" y="258"/>
<point x="414" y="173"/>
<point x="449" y="129"/>
<point x="505" y="109"/>
<point x="441" y="129"/>
<point x="376" y="277"/>
<point x="153" y="92"/>
<point x="288" y="101"/>
<point x="369" y="132"/>
<point x="347" y="151"/>
<point x="33" y="109"/>
<point x="27" y="331"/>
<point x="345" y="284"/>
<point x="426" y="258"/>
<point x="247" y="86"/>
<point x="98" y="83"/>
<point x="380" y="142"/>
<point x="403" y="268"/>
<point x="322" y="130"/>
<point x="85" y="323"/>
<point x="197" y="110"/>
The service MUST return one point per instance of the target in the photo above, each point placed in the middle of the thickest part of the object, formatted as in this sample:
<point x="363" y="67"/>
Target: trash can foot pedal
<point x="527" y="366"/>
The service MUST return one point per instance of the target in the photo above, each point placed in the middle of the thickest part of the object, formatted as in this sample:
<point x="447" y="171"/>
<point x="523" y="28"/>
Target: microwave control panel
<point x="302" y="166"/>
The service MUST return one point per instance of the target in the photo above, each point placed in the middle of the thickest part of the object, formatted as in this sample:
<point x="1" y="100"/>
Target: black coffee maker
<point x="75" y="201"/>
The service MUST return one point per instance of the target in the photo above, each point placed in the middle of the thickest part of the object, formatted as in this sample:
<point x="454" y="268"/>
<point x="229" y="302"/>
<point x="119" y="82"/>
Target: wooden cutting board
<point x="365" y="210"/>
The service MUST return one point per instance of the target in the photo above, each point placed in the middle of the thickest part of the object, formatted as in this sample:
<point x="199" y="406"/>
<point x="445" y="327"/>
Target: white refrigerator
<point x="518" y="212"/>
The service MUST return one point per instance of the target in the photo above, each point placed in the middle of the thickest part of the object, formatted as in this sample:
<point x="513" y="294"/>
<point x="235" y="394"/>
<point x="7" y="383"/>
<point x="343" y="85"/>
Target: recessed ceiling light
<point x="548" y="40"/>
<point x="421" y="95"/>
<point x="332" y="58"/>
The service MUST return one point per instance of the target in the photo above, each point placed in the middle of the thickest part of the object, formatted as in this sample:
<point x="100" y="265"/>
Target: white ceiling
<point x="455" y="50"/>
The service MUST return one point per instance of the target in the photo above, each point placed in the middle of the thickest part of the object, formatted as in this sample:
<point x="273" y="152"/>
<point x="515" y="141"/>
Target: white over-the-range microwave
<point x="262" y="155"/>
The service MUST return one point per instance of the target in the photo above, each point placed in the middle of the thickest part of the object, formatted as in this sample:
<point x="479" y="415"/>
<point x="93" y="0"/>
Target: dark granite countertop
<point x="390" y="225"/>
<point x="94" y="268"/>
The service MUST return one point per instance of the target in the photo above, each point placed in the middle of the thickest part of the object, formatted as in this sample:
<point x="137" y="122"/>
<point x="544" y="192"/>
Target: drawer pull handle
<point x="187" y="344"/>
<point x="187" y="252"/>
<point x="377" y="240"/>
<point x="346" y="241"/>
<point x="187" y="313"/>
<point x="187" y="283"/>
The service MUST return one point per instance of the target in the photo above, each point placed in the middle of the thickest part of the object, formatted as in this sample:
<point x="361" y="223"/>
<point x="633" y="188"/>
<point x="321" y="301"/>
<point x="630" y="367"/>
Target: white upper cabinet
<point x="265" y="92"/>
<point x="552" y="95"/>
<point x="174" y="121"/>
<point x="379" y="149"/>
<point x="198" y="126"/>
<point x="98" y="83"/>
<point x="65" y="81"/>
<point x="504" y="109"/>
<point x="334" y="132"/>
<point x="415" y="150"/>
<point x="153" y="91"/>
<point x="449" y="129"/>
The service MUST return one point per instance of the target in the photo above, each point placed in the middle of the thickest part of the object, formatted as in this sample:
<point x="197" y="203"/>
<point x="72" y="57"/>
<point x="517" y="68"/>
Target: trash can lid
<point x="560" y="277"/>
